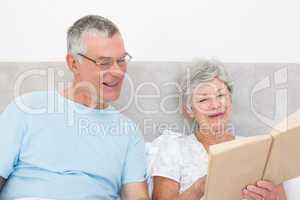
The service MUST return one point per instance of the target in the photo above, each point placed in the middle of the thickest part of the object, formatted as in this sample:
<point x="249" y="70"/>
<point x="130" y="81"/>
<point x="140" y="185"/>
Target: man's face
<point x="106" y="82"/>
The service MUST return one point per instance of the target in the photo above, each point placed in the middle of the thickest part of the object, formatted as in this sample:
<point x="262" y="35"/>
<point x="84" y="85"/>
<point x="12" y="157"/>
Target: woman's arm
<point x="167" y="189"/>
<point x="281" y="192"/>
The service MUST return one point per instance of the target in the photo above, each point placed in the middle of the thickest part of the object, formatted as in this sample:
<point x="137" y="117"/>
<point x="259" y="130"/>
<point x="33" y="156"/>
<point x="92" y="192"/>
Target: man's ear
<point x="72" y="63"/>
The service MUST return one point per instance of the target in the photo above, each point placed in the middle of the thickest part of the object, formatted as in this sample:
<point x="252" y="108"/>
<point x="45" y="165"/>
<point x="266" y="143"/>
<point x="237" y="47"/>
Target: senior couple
<point x="44" y="155"/>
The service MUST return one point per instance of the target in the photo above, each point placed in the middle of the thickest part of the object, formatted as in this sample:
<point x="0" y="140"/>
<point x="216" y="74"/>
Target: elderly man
<point x="87" y="149"/>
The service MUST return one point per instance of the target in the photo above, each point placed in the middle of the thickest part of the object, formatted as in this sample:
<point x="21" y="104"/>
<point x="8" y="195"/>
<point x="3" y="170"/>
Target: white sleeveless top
<point x="182" y="159"/>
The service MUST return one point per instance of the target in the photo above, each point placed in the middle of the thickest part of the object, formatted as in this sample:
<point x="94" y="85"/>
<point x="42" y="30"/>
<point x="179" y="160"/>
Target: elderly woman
<point x="180" y="167"/>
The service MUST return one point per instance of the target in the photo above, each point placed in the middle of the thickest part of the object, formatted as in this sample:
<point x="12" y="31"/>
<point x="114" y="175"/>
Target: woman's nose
<point x="215" y="103"/>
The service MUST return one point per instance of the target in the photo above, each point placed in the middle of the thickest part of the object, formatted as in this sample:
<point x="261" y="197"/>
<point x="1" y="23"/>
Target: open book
<point x="235" y="164"/>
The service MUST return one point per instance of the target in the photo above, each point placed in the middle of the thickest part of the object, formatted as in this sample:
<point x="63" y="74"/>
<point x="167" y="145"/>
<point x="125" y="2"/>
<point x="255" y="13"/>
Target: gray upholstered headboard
<point x="263" y="93"/>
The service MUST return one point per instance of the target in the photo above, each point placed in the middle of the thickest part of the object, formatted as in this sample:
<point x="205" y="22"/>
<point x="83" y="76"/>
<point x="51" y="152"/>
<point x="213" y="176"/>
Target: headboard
<point x="264" y="93"/>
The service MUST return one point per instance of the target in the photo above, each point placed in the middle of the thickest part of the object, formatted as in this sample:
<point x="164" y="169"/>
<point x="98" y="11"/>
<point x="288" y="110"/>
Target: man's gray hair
<point x="201" y="71"/>
<point x="88" y="24"/>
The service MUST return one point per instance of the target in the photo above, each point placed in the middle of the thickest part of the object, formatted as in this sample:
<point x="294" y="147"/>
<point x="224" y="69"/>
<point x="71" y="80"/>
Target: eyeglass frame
<point x="97" y="63"/>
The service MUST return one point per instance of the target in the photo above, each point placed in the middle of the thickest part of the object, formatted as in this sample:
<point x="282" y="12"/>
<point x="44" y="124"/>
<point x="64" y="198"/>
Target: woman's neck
<point x="207" y="139"/>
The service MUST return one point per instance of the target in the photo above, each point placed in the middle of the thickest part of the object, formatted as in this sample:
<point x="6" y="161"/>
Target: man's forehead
<point x="101" y="37"/>
<point x="102" y="46"/>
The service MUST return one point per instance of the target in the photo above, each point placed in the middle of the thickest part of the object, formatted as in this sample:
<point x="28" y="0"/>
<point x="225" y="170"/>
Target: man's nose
<point x="117" y="70"/>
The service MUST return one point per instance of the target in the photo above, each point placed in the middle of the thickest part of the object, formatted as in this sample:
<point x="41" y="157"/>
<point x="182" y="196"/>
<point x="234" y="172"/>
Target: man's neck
<point x="84" y="97"/>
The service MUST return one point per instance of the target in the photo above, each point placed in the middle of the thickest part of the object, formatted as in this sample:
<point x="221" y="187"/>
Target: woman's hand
<point x="200" y="184"/>
<point x="263" y="190"/>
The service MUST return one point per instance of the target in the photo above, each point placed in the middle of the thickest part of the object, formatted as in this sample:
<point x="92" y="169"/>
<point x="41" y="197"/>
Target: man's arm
<point x="135" y="191"/>
<point x="2" y="182"/>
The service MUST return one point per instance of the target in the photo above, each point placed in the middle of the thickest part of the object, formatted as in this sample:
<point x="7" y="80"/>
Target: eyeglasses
<point x="105" y="63"/>
<point x="206" y="101"/>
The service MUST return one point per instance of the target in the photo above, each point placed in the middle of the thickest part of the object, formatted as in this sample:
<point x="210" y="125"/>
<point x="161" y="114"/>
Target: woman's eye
<point x="202" y="100"/>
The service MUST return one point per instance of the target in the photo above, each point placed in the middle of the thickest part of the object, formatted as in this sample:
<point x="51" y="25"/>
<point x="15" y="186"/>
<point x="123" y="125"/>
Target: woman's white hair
<point x="201" y="71"/>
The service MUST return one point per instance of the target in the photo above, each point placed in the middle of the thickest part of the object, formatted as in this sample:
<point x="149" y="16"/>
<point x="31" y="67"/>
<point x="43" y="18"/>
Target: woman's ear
<point x="188" y="110"/>
<point x="72" y="63"/>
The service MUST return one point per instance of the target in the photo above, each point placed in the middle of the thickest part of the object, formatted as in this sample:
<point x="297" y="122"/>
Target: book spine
<point x="268" y="157"/>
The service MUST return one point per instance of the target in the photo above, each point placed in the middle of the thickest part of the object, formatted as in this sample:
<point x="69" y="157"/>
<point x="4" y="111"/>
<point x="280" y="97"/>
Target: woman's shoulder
<point x="168" y="138"/>
<point x="167" y="144"/>
<point x="179" y="143"/>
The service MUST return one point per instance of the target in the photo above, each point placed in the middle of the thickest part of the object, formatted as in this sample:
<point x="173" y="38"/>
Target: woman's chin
<point x="219" y="127"/>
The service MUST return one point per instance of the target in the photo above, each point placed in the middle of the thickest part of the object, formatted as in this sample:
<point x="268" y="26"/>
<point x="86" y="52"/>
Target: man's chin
<point x="111" y="97"/>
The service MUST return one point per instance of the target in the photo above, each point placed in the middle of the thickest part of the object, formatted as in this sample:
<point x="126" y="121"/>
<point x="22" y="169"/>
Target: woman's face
<point x="212" y="106"/>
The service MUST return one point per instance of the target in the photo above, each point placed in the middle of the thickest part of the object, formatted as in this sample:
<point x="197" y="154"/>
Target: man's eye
<point x="122" y="61"/>
<point x="105" y="63"/>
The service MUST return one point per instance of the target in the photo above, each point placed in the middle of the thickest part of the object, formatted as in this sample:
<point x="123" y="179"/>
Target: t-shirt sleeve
<point x="167" y="161"/>
<point x="135" y="164"/>
<point x="12" y="124"/>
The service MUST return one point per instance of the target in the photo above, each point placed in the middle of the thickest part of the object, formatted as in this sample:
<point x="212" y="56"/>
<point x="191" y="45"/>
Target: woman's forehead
<point x="209" y="87"/>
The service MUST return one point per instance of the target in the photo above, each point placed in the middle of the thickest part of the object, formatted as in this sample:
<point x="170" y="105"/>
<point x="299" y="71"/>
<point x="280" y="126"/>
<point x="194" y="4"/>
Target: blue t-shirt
<point x="52" y="147"/>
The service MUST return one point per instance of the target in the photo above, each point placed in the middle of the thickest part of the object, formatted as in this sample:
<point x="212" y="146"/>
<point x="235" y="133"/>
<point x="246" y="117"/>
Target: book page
<point x="284" y="161"/>
<point x="235" y="164"/>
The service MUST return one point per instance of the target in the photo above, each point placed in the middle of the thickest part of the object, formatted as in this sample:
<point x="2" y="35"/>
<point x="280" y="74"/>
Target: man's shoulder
<point x="30" y="102"/>
<point x="125" y="125"/>
<point x="123" y="118"/>
<point x="35" y="98"/>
